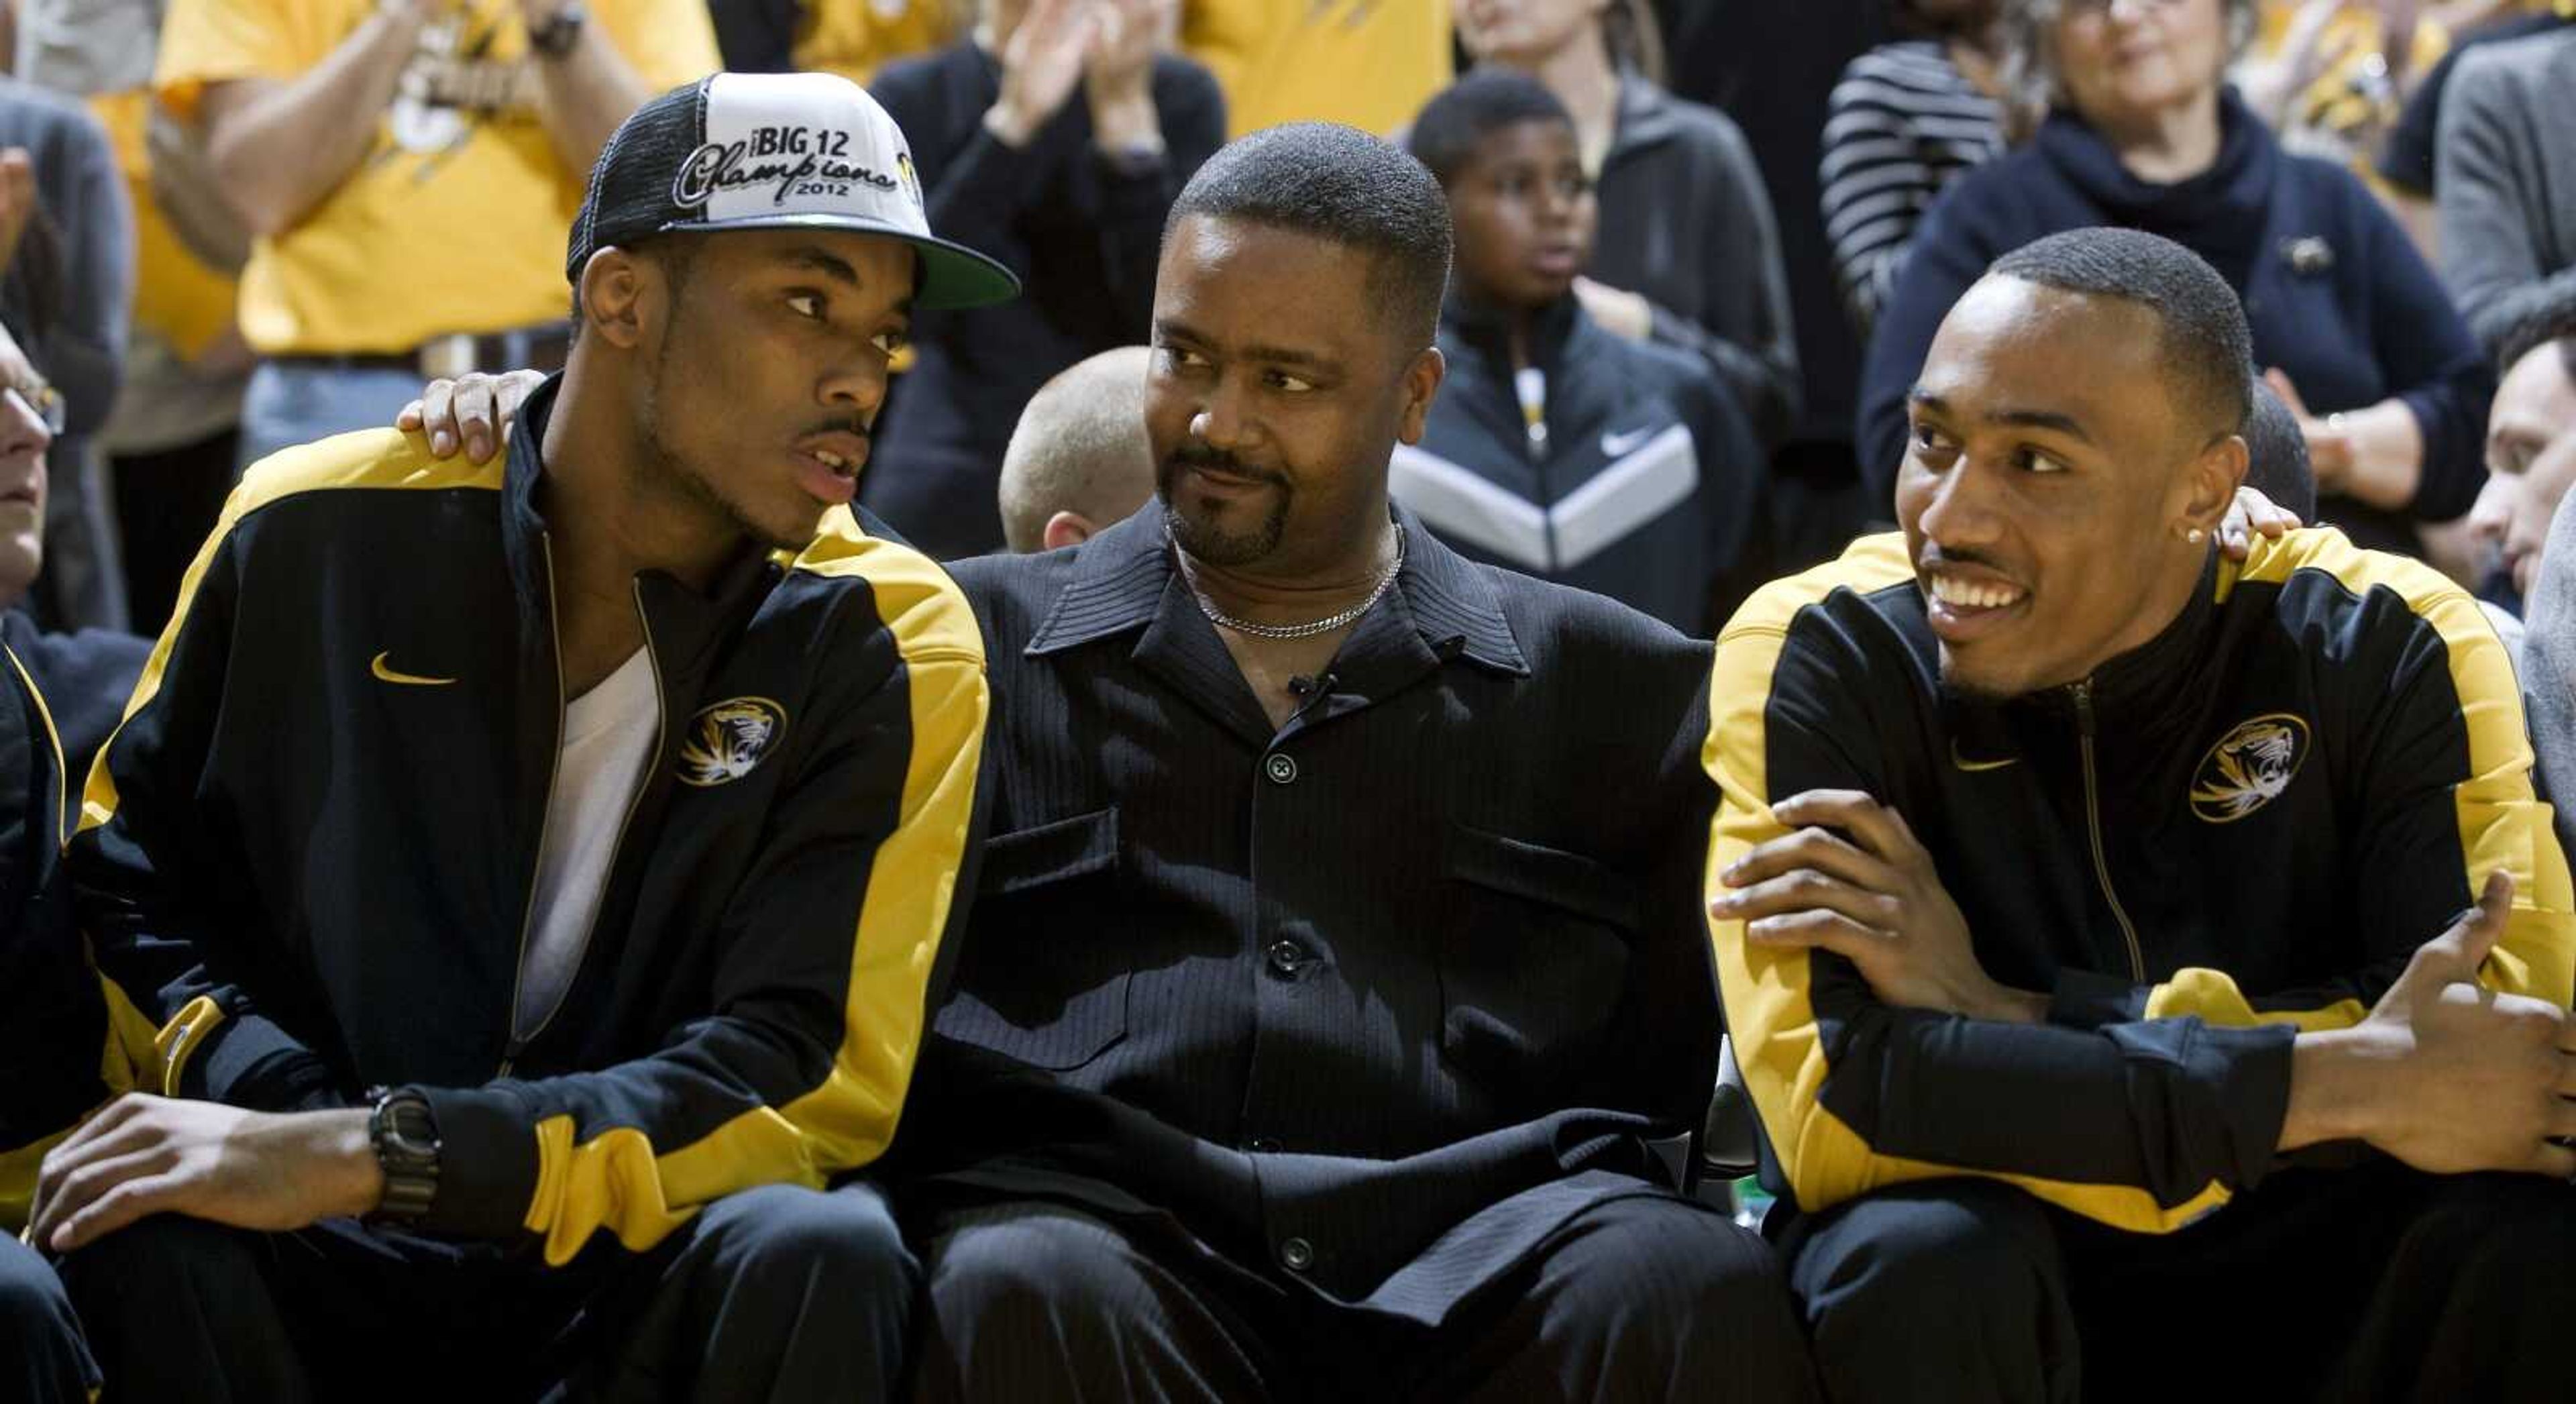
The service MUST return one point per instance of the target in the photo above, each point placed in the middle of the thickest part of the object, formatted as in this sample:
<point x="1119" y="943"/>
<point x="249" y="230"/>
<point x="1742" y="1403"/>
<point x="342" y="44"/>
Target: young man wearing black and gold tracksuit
<point x="2089" y="907"/>
<point x="543" y="871"/>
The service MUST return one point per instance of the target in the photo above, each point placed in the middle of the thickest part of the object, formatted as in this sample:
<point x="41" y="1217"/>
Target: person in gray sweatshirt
<point x="2507" y="181"/>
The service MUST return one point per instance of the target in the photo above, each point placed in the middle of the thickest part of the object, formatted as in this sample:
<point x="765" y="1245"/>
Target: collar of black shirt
<point x="1119" y="582"/>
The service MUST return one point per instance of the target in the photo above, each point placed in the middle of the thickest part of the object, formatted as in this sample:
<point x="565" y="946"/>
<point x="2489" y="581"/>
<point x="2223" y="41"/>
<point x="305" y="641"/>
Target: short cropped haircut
<point x="2551" y="319"/>
<point x="2203" y="341"/>
<point x="1457" y="121"/>
<point x="2276" y="455"/>
<point x="1080" y="447"/>
<point x="1341" y="185"/>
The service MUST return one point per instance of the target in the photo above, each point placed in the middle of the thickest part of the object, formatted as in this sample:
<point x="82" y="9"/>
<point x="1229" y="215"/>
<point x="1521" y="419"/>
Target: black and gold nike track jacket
<point x="2241" y="830"/>
<point x="309" y="851"/>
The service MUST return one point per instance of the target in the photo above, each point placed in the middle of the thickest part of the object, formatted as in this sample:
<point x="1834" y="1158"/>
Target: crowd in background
<point x="280" y="217"/>
<point x="1701" y="254"/>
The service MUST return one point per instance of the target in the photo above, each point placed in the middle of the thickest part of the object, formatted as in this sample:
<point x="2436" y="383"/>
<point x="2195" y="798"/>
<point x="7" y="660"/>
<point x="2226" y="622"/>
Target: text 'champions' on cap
<point x="773" y="151"/>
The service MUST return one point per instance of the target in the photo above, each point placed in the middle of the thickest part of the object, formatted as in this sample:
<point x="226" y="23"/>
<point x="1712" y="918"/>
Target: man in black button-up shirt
<point x="1337" y="947"/>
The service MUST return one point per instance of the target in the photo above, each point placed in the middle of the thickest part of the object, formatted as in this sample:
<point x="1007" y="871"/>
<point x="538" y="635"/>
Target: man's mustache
<point x="1215" y="460"/>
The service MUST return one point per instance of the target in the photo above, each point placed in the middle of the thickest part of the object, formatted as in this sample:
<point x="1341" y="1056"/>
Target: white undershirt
<point x="607" y="738"/>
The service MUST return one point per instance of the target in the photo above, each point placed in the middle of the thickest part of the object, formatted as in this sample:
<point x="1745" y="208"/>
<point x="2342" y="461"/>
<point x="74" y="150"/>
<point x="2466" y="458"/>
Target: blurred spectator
<point x="1555" y="448"/>
<point x="1688" y="254"/>
<point x="409" y="170"/>
<point x="173" y="435"/>
<point x="1771" y="67"/>
<point x="2329" y="77"/>
<point x="1054" y="140"/>
<point x="1369" y="64"/>
<point x="51" y="1016"/>
<point x="2531" y="443"/>
<point x="1079" y="459"/>
<point x="2332" y="78"/>
<point x="2508" y="181"/>
<point x="2276" y="455"/>
<point x="2548" y="663"/>
<point x="1905" y="118"/>
<point x="2365" y="346"/>
<point x="85" y="674"/>
<point x="853" y="38"/>
<point x="2409" y="161"/>
<point x="67" y="242"/>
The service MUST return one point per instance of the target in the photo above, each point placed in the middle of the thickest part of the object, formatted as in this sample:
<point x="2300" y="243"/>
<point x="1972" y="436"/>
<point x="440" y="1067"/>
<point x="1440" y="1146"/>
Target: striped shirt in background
<point x="1899" y="125"/>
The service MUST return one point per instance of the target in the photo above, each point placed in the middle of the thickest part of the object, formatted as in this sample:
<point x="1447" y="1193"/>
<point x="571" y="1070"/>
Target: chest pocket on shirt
<point x="1533" y="958"/>
<point x="1036" y="981"/>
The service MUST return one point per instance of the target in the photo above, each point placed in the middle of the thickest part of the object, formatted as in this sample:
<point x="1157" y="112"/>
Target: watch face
<point x="409" y="1131"/>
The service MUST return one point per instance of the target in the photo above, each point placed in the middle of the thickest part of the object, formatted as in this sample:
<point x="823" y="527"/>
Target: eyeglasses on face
<point x="41" y="400"/>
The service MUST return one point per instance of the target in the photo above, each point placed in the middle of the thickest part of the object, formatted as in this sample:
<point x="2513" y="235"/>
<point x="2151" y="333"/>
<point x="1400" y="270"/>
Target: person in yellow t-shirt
<point x="409" y="170"/>
<point x="855" y="39"/>
<point x="1368" y="63"/>
<point x="851" y="38"/>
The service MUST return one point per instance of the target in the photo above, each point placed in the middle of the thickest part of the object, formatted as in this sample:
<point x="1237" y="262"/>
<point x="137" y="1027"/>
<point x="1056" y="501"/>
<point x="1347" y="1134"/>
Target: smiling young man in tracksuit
<point x="2089" y="908"/>
<point x="550" y="863"/>
<point x="1557" y="449"/>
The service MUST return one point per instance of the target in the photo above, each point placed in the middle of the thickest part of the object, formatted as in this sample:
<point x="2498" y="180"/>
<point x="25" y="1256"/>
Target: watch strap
<point x="561" y="31"/>
<point x="404" y="1132"/>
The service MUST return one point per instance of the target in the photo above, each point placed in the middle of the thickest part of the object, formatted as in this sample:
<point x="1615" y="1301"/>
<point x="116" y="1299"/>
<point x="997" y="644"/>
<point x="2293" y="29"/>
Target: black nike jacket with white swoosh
<point x="2241" y="830"/>
<point x="310" y="850"/>
<point x="1643" y="480"/>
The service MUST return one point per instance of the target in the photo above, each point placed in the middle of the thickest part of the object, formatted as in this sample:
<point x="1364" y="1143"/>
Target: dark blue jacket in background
<point x="2337" y="296"/>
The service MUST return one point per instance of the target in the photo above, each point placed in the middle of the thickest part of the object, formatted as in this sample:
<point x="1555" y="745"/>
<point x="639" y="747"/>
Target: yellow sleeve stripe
<point x="1768" y="1009"/>
<point x="2503" y="822"/>
<point x="53" y="738"/>
<point x="1869" y="564"/>
<point x="186" y="1032"/>
<point x="132" y="1044"/>
<point x="615" y="1178"/>
<point x="2212" y="996"/>
<point x="370" y="459"/>
<point x="912" y="884"/>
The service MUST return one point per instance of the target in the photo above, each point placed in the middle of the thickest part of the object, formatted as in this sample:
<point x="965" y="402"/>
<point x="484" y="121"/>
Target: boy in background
<point x="1556" y="448"/>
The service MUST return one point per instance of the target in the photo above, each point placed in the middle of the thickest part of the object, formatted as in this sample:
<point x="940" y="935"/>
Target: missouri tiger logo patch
<point x="726" y="741"/>
<point x="2249" y="767"/>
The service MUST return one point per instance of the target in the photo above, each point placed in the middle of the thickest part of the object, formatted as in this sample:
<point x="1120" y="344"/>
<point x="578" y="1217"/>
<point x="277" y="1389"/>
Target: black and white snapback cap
<point x="773" y="151"/>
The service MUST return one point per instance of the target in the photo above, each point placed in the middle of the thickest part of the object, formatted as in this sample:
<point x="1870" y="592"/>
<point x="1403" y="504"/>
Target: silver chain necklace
<point x="1307" y="630"/>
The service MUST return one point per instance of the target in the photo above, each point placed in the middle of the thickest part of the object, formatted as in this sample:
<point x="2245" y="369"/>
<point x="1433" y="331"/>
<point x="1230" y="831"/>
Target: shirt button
<point x="1281" y="768"/>
<point x="1287" y="957"/>
<point x="1297" y="1254"/>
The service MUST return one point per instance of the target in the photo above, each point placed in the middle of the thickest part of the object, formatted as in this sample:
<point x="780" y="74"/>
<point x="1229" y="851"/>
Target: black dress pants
<point x="1638" y="1299"/>
<point x="778" y="1293"/>
<point x="2374" y="1283"/>
<point x="42" y="1357"/>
